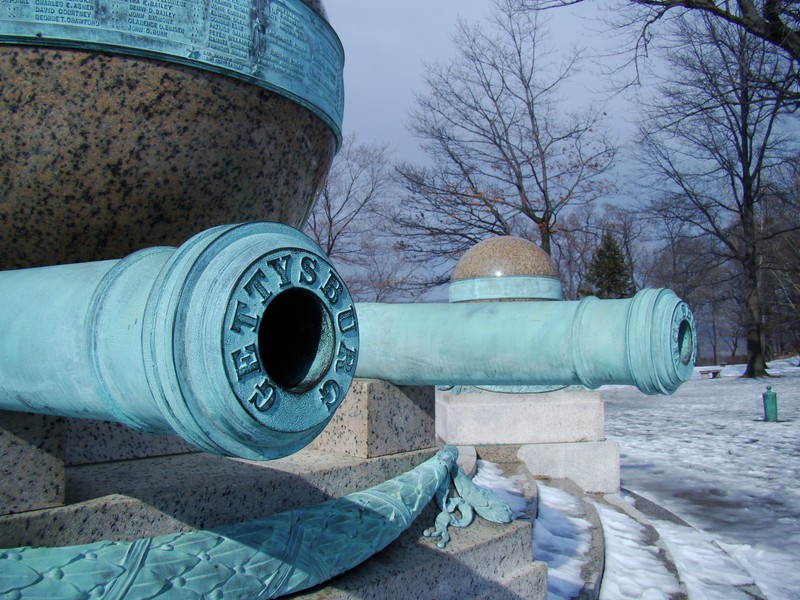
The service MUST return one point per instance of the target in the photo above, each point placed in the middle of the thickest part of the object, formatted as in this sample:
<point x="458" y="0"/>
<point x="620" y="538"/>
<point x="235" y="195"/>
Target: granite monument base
<point x="558" y="434"/>
<point x="106" y="154"/>
<point x="119" y="487"/>
<point x="32" y="463"/>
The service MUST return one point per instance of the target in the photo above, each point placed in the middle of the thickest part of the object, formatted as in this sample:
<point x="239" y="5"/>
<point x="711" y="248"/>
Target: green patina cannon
<point x="506" y="330"/>
<point x="243" y="340"/>
<point x="647" y="341"/>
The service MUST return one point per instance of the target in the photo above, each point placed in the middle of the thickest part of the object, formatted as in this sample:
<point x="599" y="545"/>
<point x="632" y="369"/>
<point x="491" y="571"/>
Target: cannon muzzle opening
<point x="295" y="340"/>
<point x="243" y="341"/>
<point x="686" y="342"/>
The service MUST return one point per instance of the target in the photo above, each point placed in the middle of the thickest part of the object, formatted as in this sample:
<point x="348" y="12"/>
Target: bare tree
<point x="634" y="234"/>
<point x="781" y="264"/>
<point x="349" y="225"/>
<point x="687" y="263"/>
<point x="580" y="233"/>
<point x="776" y="22"/>
<point x="505" y="156"/>
<point x="382" y="273"/>
<point x="712" y="138"/>
<point x="578" y="236"/>
<point x="356" y="183"/>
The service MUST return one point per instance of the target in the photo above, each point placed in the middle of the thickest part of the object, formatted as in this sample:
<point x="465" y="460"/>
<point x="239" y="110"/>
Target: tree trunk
<point x="546" y="235"/>
<point x="756" y="365"/>
<point x="714" y="336"/>
<point x="734" y="347"/>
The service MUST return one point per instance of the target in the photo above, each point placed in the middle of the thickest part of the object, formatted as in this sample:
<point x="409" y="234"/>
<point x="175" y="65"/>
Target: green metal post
<point x="770" y="405"/>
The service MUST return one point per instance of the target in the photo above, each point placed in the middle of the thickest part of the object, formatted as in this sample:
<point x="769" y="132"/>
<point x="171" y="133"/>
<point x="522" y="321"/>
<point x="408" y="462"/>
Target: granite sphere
<point x="504" y="256"/>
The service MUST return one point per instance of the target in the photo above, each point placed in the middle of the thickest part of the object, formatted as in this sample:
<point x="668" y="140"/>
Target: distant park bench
<point x="710" y="373"/>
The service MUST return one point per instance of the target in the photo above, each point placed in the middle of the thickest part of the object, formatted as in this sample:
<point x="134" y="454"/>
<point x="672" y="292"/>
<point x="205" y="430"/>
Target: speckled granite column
<point x="105" y="153"/>
<point x="32" y="465"/>
<point x="102" y="154"/>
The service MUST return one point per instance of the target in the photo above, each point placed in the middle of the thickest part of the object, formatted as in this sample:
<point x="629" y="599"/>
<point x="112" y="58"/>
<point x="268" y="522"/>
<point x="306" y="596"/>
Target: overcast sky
<point x="387" y="42"/>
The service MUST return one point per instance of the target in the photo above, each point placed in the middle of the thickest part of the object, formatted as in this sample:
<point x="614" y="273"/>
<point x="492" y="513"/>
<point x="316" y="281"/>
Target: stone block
<point x="501" y="454"/>
<point x="88" y="441"/>
<point x="377" y="418"/>
<point x="485" y="560"/>
<point x="594" y="466"/>
<point x="32" y="465"/>
<point x="467" y="460"/>
<point x="478" y="417"/>
<point x="126" y="500"/>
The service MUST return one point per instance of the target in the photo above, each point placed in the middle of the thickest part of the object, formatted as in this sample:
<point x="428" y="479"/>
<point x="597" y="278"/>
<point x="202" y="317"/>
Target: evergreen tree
<point x="608" y="274"/>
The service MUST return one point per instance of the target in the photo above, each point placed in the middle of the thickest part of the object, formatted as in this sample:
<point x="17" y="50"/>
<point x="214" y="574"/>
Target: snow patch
<point x="489" y="476"/>
<point x="633" y="568"/>
<point x="707" y="455"/>
<point x="562" y="541"/>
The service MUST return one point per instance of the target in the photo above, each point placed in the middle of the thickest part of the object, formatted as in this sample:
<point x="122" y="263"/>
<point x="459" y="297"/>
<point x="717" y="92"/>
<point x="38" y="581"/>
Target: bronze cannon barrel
<point x="242" y="341"/>
<point x="647" y="341"/>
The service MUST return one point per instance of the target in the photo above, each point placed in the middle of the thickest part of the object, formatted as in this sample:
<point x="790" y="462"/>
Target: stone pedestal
<point x="378" y="419"/>
<point x="379" y="431"/>
<point x="32" y="465"/>
<point x="556" y="434"/>
<point x="477" y="417"/>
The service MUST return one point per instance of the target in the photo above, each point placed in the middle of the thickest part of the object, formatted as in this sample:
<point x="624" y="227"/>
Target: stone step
<point x="528" y="583"/>
<point x="566" y="531"/>
<point x="568" y="535"/>
<point x="637" y="550"/>
<point x="703" y="565"/>
<point x="484" y="560"/>
<point x="126" y="500"/>
<point x="596" y="547"/>
<point x="637" y="561"/>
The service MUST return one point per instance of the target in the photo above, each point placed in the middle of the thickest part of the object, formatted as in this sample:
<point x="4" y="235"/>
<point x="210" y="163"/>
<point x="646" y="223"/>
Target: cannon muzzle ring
<point x="243" y="341"/>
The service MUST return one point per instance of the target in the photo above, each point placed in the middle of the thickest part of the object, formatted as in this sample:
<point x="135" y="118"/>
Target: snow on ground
<point x="491" y="477"/>
<point x="707" y="455"/>
<point x="561" y="539"/>
<point x="632" y="569"/>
